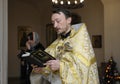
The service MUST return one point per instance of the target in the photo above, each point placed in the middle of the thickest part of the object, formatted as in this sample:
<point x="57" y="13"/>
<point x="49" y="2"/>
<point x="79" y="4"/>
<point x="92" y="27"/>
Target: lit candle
<point x="75" y="2"/>
<point x="81" y="1"/>
<point x="69" y="2"/>
<point x="56" y="1"/>
<point x="61" y="2"/>
<point x="53" y="1"/>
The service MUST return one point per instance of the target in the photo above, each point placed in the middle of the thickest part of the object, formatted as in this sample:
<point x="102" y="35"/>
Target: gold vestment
<point x="77" y="58"/>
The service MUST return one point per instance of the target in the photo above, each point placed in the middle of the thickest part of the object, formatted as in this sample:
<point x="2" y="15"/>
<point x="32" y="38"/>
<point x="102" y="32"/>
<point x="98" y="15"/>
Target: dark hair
<point x="30" y="35"/>
<point x="66" y="12"/>
<point x="75" y="19"/>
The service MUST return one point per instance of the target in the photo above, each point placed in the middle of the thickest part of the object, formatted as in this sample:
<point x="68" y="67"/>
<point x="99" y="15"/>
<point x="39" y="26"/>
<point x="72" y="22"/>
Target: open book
<point x="37" y="57"/>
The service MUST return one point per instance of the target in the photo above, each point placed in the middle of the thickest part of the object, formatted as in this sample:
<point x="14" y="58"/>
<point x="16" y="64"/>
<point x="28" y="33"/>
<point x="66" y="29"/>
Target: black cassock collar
<point x="66" y="35"/>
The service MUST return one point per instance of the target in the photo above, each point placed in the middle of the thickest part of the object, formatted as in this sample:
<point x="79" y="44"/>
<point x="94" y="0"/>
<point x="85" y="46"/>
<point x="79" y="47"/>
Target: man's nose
<point x="55" y="25"/>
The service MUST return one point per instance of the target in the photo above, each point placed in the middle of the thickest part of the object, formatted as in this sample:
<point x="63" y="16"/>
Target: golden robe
<point x="77" y="58"/>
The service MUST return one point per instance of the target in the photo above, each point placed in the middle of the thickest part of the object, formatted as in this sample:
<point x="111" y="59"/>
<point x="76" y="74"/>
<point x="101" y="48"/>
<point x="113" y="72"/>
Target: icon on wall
<point x="97" y="41"/>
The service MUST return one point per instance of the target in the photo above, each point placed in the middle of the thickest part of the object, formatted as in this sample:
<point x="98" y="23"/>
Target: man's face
<point x="60" y="23"/>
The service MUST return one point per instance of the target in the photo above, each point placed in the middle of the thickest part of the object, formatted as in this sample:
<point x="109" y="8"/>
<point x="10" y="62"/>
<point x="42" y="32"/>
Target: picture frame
<point x="22" y="35"/>
<point x="97" y="41"/>
<point x="51" y="34"/>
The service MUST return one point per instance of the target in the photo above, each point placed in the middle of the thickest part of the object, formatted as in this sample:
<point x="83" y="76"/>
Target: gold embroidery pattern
<point x="62" y="48"/>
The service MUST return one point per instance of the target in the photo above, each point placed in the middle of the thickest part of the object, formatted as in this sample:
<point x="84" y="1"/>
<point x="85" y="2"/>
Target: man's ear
<point x="69" y="20"/>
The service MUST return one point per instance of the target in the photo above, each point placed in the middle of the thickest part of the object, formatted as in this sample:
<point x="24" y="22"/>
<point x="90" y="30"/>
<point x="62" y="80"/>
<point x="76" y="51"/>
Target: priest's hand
<point x="53" y="64"/>
<point x="36" y="69"/>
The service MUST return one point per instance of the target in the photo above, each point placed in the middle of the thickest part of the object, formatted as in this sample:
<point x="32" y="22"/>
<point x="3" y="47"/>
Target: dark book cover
<point x="38" y="57"/>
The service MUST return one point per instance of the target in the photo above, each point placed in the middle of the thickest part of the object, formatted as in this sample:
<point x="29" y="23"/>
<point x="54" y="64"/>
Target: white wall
<point x="112" y="30"/>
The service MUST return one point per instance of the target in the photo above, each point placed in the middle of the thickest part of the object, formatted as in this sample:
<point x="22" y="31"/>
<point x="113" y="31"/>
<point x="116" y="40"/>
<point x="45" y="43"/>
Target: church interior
<point x="102" y="18"/>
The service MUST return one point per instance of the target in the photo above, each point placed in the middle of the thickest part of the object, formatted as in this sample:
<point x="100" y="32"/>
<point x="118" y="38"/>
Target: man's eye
<point x="58" y="21"/>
